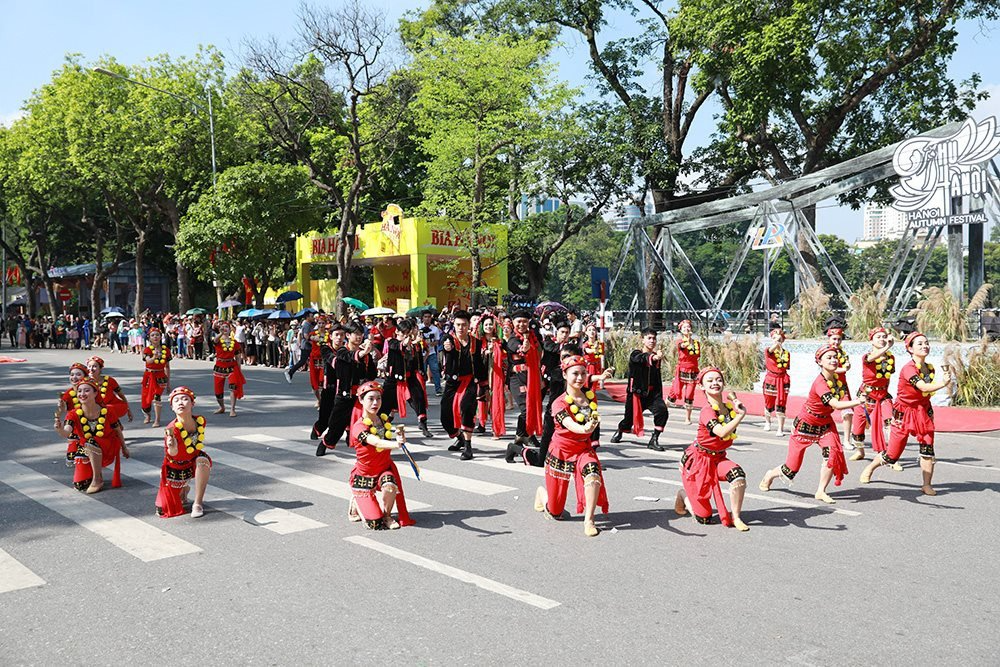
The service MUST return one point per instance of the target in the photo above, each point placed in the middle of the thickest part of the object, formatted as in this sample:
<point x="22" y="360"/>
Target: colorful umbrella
<point x="291" y="295"/>
<point x="357" y="303"/>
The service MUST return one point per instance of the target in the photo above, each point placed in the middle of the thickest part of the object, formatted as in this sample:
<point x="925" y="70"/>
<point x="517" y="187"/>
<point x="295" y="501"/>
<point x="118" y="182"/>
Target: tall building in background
<point x="883" y="222"/>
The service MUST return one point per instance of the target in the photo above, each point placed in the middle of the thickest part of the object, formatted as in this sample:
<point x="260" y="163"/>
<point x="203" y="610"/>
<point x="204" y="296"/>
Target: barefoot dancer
<point x="156" y="377"/>
<point x="686" y="373"/>
<point x="184" y="457"/>
<point x="373" y="439"/>
<point x="228" y="357"/>
<point x="777" y="360"/>
<point x="815" y="425"/>
<point x="705" y="463"/>
<point x="571" y="453"/>
<point x="877" y="367"/>
<point x="93" y="441"/>
<point x="912" y="414"/>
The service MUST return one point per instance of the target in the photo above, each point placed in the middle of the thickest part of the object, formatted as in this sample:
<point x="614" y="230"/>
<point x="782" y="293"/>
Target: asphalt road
<point x="275" y="574"/>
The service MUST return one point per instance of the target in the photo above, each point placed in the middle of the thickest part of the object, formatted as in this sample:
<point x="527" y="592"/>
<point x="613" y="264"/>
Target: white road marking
<point x="15" y="576"/>
<point x="455" y="573"/>
<point x="128" y="533"/>
<point x="967" y="465"/>
<point x="30" y="427"/>
<point x="257" y="379"/>
<point x="467" y="484"/>
<point x="776" y="500"/>
<point x="249" y="409"/>
<point x="305" y="480"/>
<point x="254" y="512"/>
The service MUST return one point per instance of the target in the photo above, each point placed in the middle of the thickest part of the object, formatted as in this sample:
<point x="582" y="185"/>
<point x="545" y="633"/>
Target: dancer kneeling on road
<point x="912" y="414"/>
<point x="571" y="453"/>
<point x="94" y="441"/>
<point x="183" y="458"/>
<point x="815" y="425"/>
<point x="373" y="439"/>
<point x="705" y="464"/>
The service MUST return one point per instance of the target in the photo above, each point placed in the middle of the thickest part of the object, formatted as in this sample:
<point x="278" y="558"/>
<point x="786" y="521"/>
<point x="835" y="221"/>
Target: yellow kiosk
<point x="416" y="261"/>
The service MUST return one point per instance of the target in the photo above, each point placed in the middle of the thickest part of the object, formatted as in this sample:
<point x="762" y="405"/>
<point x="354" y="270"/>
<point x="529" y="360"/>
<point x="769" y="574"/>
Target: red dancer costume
<point x="593" y="352"/>
<point x="320" y="337"/>
<point x="912" y="414"/>
<point x="686" y="373"/>
<point x="571" y="454"/>
<point x="815" y="425"/>
<point x="156" y="377"/>
<point x="374" y="469"/>
<point x="97" y="436"/>
<point x="405" y="381"/>
<point x="227" y="369"/>
<point x="875" y="377"/>
<point x="68" y="399"/>
<point x="705" y="463"/>
<point x="777" y="384"/>
<point x="524" y="355"/>
<point x="178" y="469"/>
<point x="495" y="359"/>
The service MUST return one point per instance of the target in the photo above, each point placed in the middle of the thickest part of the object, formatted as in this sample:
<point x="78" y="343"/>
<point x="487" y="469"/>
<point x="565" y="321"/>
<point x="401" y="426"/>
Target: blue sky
<point x="36" y="35"/>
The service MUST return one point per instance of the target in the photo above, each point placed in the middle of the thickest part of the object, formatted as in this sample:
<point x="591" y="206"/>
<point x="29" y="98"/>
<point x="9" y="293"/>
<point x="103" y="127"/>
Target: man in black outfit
<point x="645" y="390"/>
<point x="345" y="370"/>
<point x="465" y="382"/>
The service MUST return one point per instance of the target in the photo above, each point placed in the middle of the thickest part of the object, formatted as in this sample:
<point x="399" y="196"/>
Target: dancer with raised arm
<point x="777" y="383"/>
<point x="814" y="425"/>
<point x="912" y="414"/>
<point x="93" y="441"/>
<point x="644" y="392"/>
<point x="156" y="377"/>
<point x="686" y="373"/>
<point x="877" y="367"/>
<point x="228" y="358"/>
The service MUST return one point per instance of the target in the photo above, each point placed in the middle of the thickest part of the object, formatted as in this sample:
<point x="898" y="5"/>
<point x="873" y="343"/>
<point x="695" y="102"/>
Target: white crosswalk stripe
<point x="128" y="533"/>
<point x="14" y="576"/>
<point x="305" y="480"/>
<point x="254" y="512"/>
<point x="24" y="424"/>
<point x="458" y="482"/>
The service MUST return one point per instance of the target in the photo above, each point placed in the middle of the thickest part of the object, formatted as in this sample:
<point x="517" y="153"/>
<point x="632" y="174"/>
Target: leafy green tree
<point x="810" y="83"/>
<point x="243" y="226"/>
<point x="481" y="101"/>
<point x="339" y="112"/>
<point x="569" y="275"/>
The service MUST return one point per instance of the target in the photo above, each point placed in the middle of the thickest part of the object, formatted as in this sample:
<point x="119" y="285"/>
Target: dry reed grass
<point x="939" y="314"/>
<point x="978" y="376"/>
<point x="809" y="312"/>
<point x="866" y="309"/>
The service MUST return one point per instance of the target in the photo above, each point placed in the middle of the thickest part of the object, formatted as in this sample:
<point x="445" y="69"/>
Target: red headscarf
<point x="871" y="333"/>
<point x="823" y="350"/>
<point x="706" y="371"/>
<point x="80" y="367"/>
<point x="371" y="385"/>
<point x="574" y="360"/>
<point x="181" y="391"/>
<point x="100" y="362"/>
<point x="908" y="341"/>
<point x="834" y="331"/>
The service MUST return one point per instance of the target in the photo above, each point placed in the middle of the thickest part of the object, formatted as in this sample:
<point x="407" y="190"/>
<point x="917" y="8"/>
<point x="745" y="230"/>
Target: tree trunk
<point x="477" y="273"/>
<point x="654" y="287"/>
<point x="140" y="251"/>
<point x="183" y="288"/>
<point x="345" y="253"/>
<point x="536" y="272"/>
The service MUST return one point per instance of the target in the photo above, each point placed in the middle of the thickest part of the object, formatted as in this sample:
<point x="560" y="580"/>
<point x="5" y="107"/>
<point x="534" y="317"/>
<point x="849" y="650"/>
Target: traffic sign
<point x="64" y="294"/>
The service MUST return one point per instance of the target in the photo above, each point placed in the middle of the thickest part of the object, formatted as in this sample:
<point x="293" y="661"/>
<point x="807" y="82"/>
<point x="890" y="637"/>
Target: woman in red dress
<point x="156" y="377"/>
<point x="93" y="442"/>
<point x="912" y="414"/>
<point x="814" y="425"/>
<point x="184" y="458"/>
<point x="373" y="439"/>
<point x="777" y="361"/>
<point x="877" y="367"/>
<point x="495" y="358"/>
<point x="108" y="389"/>
<point x="593" y="350"/>
<point x="686" y="373"/>
<point x="571" y="453"/>
<point x="68" y="400"/>
<point x="835" y="338"/>
<point x="228" y="357"/>
<point x="705" y="463"/>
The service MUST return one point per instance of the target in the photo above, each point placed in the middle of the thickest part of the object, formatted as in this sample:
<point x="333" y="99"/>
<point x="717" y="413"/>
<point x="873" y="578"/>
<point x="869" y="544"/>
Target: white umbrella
<point x="379" y="311"/>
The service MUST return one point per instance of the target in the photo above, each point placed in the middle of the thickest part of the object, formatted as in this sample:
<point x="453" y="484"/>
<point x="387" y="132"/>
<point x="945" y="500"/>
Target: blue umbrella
<point x="280" y="315"/>
<point x="251" y="312"/>
<point x="305" y="311"/>
<point x="288" y="296"/>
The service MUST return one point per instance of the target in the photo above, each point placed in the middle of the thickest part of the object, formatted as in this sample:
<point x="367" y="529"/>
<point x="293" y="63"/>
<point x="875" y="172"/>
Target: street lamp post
<point x="187" y="100"/>
<point x="197" y="108"/>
